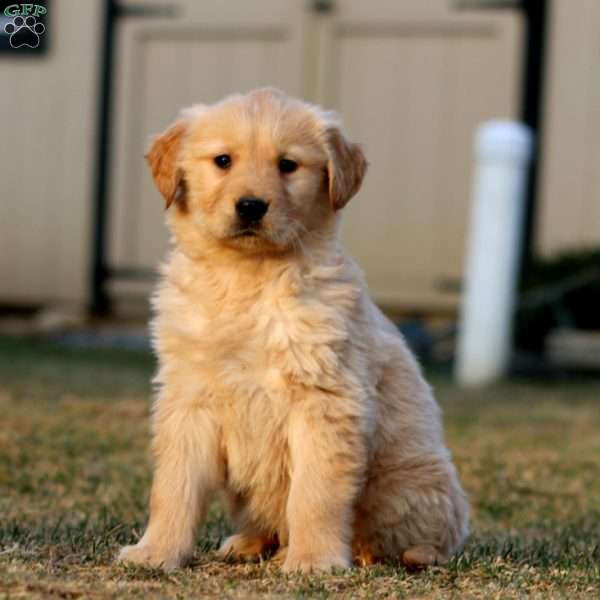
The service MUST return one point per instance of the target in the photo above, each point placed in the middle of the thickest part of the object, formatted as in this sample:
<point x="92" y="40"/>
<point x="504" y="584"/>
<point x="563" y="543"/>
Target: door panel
<point x="411" y="79"/>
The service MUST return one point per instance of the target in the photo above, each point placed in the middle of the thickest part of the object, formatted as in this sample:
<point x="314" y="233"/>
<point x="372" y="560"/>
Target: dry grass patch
<point x="74" y="480"/>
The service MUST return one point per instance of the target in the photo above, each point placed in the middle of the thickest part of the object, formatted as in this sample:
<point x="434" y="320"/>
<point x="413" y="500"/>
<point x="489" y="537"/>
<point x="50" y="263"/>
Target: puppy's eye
<point x="287" y="166"/>
<point x="223" y="161"/>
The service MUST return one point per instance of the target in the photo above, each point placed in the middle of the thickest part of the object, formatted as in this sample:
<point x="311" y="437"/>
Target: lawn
<point x="75" y="476"/>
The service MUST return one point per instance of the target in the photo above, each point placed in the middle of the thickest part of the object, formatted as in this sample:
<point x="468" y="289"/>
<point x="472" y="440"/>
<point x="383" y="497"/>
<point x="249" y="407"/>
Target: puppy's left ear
<point x="163" y="159"/>
<point x="346" y="167"/>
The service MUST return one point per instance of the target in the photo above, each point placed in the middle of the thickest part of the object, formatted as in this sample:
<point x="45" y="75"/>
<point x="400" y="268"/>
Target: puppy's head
<point x="258" y="173"/>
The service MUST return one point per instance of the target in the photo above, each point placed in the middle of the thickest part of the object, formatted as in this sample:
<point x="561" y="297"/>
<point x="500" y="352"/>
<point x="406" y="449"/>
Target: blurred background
<point x="81" y="226"/>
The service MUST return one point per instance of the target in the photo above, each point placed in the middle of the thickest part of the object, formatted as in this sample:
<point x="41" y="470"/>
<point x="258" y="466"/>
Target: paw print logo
<point x="24" y="32"/>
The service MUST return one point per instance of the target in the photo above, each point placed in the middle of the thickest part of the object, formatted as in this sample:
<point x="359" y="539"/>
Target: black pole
<point x="100" y="301"/>
<point x="535" y="13"/>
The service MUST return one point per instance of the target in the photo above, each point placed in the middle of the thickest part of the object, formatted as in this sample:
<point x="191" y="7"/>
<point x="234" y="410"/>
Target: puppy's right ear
<point x="163" y="159"/>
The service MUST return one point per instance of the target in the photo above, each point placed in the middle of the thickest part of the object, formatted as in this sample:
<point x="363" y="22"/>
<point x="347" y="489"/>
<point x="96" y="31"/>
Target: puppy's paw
<point x="150" y="556"/>
<point x="306" y="563"/>
<point x="246" y="546"/>
<point x="420" y="557"/>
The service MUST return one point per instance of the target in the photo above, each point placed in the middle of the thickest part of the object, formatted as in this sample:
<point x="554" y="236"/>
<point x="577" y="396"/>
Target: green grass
<point x="75" y="475"/>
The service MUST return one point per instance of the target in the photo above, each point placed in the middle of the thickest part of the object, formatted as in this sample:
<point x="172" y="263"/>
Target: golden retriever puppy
<point x="281" y="383"/>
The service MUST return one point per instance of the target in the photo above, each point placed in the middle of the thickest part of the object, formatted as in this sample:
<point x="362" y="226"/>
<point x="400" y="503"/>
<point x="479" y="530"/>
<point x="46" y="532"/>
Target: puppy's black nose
<point x="250" y="209"/>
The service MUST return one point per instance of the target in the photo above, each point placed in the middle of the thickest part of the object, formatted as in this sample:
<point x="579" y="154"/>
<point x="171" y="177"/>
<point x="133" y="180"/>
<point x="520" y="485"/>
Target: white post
<point x="502" y="151"/>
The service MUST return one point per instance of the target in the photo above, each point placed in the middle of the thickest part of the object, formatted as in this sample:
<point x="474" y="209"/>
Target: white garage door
<point x="411" y="78"/>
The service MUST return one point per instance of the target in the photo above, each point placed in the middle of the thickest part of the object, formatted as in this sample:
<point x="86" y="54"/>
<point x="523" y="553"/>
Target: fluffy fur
<point x="281" y="383"/>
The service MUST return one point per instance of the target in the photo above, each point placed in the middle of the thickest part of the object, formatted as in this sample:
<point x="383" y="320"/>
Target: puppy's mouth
<point x="249" y="238"/>
<point x="248" y="230"/>
<point x="246" y="233"/>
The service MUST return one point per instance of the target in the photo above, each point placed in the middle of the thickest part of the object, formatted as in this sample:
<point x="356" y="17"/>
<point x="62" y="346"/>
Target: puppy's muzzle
<point x="251" y="210"/>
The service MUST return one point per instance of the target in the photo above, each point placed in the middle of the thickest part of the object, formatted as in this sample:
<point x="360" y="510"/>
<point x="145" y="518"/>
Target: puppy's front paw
<point x="313" y="562"/>
<point x="150" y="556"/>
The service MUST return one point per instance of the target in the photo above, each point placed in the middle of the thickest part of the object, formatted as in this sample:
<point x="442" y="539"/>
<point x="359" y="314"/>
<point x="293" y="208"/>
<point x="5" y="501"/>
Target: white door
<point x="411" y="78"/>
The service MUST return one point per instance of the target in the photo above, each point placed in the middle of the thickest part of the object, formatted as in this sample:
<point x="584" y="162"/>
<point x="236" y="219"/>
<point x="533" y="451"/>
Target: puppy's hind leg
<point x="416" y="512"/>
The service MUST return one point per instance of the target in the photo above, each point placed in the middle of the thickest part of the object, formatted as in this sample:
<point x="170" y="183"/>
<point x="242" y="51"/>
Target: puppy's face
<point x="260" y="172"/>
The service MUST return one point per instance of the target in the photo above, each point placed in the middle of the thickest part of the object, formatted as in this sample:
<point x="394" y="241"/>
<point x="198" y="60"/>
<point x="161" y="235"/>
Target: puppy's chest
<point x="269" y="345"/>
<point x="255" y="446"/>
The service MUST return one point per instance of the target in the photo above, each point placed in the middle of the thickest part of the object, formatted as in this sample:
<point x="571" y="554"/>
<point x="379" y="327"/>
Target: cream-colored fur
<point x="281" y="383"/>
